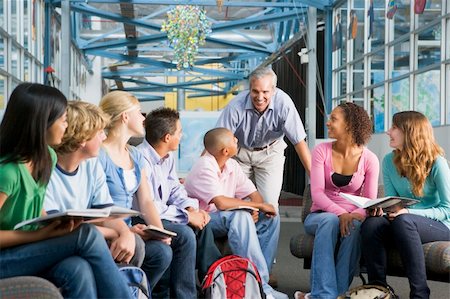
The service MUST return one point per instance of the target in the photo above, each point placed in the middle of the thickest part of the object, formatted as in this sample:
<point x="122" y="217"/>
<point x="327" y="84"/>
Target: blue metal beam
<point x="124" y="42"/>
<point x="83" y="8"/>
<point x="320" y="4"/>
<point x="182" y="84"/>
<point x="247" y="22"/>
<point x="238" y="45"/>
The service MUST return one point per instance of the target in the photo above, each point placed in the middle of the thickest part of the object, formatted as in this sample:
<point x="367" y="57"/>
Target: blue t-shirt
<point x="82" y="189"/>
<point x="435" y="202"/>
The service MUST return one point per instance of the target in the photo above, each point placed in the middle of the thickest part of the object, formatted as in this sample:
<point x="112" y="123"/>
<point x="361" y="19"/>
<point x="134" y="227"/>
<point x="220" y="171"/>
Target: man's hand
<point x="255" y="216"/>
<point x="198" y="219"/>
<point x="122" y="248"/>
<point x="58" y="228"/>
<point x="346" y="222"/>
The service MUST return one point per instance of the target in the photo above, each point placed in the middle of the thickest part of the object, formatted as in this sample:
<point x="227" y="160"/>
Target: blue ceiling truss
<point x="140" y="55"/>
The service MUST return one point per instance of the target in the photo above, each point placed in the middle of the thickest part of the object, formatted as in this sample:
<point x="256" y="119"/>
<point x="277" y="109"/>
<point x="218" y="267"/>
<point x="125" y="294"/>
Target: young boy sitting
<point x="79" y="182"/>
<point x="219" y="183"/>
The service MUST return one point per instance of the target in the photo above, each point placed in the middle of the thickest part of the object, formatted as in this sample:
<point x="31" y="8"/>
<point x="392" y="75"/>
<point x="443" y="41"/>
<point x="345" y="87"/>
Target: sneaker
<point x="301" y="295"/>
<point x="276" y="295"/>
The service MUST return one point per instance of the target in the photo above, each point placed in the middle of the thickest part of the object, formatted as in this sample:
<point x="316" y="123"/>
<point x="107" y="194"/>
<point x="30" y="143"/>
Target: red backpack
<point x="232" y="277"/>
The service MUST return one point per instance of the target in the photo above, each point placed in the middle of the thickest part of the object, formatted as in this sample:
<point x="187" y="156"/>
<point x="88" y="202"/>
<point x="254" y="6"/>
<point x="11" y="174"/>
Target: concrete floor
<point x="291" y="275"/>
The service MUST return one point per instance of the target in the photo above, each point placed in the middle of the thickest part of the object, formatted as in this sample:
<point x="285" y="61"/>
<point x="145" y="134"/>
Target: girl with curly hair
<point x="343" y="165"/>
<point x="416" y="169"/>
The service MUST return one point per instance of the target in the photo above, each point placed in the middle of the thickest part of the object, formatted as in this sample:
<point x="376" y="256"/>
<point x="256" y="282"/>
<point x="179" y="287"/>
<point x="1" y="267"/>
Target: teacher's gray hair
<point x="263" y="72"/>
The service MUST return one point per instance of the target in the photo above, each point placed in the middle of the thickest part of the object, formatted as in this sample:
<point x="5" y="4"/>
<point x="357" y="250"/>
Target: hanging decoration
<point x="353" y="26"/>
<point x="186" y="27"/>
<point x="419" y="6"/>
<point x="219" y="5"/>
<point x="371" y="15"/>
<point x="391" y="9"/>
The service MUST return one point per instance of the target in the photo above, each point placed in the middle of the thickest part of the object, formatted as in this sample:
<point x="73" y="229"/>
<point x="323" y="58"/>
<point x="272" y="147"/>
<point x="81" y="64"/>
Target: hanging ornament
<point x="353" y="27"/>
<point x="187" y="27"/>
<point x="391" y="9"/>
<point x="219" y="5"/>
<point x="419" y="6"/>
<point x="371" y="15"/>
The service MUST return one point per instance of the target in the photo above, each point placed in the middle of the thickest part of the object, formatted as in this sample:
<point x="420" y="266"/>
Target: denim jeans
<point x="257" y="242"/>
<point x="179" y="278"/>
<point x="335" y="259"/>
<point x="158" y="257"/>
<point x="79" y="263"/>
<point x="406" y="232"/>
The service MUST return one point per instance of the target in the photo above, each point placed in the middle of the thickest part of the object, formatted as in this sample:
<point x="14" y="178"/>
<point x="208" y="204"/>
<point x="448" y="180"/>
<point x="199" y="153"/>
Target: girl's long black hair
<point x="32" y="109"/>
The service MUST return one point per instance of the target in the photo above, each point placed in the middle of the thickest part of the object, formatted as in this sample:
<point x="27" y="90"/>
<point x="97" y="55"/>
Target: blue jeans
<point x="79" y="263"/>
<point x="158" y="257"/>
<point x="407" y="233"/>
<point x="333" y="265"/>
<point x="257" y="242"/>
<point x="180" y="276"/>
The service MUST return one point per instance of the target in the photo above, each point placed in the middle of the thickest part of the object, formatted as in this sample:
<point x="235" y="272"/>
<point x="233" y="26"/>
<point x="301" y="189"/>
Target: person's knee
<point x="74" y="273"/>
<point x="402" y="224"/>
<point x="185" y="239"/>
<point x="329" y="220"/>
<point x="372" y="225"/>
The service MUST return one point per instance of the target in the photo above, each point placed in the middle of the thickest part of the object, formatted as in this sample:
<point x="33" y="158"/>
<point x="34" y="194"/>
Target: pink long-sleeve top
<point x="325" y="194"/>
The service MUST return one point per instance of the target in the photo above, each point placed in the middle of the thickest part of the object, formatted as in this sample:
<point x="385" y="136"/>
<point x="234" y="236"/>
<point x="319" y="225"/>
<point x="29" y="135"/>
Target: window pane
<point x="26" y="69"/>
<point x="14" y="21"/>
<point x="428" y="95"/>
<point x="26" y="26"/>
<point x="378" y="37"/>
<point x="15" y="61"/>
<point x="358" y="80"/>
<point x="341" y="83"/>
<point x="2" y="14"/>
<point x="377" y="67"/>
<point x="448" y="94"/>
<point x="429" y="46"/>
<point x="431" y="12"/>
<point x="2" y="53"/>
<point x="2" y="94"/>
<point x="401" y="58"/>
<point x="402" y="18"/>
<point x="377" y="98"/>
<point x="400" y="96"/>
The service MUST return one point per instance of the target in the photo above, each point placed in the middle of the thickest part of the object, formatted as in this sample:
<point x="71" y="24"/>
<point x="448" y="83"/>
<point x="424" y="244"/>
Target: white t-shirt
<point x="84" y="188"/>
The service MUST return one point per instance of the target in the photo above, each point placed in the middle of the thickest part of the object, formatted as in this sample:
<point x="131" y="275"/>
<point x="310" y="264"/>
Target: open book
<point x="243" y="208"/>
<point x="155" y="232"/>
<point x="86" y="215"/>
<point x="383" y="202"/>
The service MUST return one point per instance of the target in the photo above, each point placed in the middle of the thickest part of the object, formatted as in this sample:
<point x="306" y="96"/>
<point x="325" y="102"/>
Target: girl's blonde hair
<point x="415" y="160"/>
<point x="117" y="102"/>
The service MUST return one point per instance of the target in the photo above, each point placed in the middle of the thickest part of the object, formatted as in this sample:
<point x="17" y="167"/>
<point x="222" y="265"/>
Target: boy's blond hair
<point x="84" y="121"/>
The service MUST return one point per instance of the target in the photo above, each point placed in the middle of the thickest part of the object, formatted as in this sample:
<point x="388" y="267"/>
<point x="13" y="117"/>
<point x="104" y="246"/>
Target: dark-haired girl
<point x="344" y="165"/>
<point x="74" y="257"/>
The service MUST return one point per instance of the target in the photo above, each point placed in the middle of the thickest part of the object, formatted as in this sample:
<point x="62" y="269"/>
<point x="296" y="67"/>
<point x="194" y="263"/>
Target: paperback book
<point x="85" y="215"/>
<point x="243" y="208"/>
<point x="155" y="232"/>
<point x="383" y="202"/>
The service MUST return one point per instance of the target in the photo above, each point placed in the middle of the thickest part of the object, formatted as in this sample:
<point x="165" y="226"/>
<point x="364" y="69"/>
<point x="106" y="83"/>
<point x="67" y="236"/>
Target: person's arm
<point x="440" y="175"/>
<point x="371" y="174"/>
<point x="320" y="199"/>
<point x="146" y="205"/>
<point x="122" y="247"/>
<point x="10" y="238"/>
<point x="304" y="154"/>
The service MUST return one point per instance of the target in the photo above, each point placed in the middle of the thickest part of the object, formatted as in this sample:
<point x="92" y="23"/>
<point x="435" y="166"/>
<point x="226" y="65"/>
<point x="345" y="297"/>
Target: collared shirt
<point x="253" y="129"/>
<point x="115" y="178"/>
<point x="169" y="195"/>
<point x="206" y="181"/>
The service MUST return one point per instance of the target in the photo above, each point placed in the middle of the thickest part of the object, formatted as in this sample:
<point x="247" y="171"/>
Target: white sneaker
<point x="276" y="295"/>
